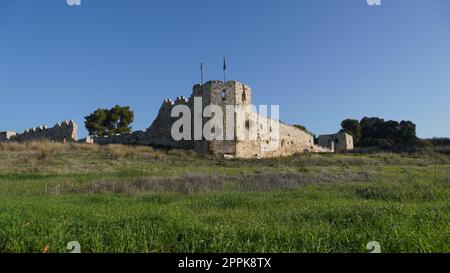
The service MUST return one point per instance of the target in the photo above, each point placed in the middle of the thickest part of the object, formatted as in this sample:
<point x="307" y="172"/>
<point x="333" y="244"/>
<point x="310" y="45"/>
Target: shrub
<point x="12" y="146"/>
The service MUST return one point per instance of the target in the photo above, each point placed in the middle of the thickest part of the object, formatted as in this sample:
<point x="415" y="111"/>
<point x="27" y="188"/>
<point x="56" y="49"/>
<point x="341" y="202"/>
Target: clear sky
<point x="321" y="60"/>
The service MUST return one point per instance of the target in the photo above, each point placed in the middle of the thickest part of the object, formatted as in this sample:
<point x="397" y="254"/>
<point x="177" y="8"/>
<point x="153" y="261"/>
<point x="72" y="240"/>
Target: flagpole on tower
<point x="224" y="70"/>
<point x="201" y="73"/>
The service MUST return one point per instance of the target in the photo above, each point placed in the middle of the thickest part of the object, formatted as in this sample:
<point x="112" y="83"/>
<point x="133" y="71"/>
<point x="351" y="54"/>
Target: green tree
<point x="387" y="134"/>
<point x="112" y="121"/>
<point x="95" y="123"/>
<point x="370" y="127"/>
<point x="353" y="128"/>
<point x="407" y="131"/>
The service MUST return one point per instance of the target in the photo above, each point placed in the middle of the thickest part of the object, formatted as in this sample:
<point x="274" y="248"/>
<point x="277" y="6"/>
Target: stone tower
<point x="224" y="95"/>
<point x="244" y="132"/>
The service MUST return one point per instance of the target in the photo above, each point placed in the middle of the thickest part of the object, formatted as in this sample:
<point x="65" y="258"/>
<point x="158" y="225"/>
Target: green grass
<point x="51" y="194"/>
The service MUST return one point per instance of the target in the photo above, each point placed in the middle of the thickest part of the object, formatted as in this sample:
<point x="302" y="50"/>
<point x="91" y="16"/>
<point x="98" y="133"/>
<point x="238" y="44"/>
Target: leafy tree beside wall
<point x="106" y="122"/>
<point x="353" y="128"/>
<point x="376" y="132"/>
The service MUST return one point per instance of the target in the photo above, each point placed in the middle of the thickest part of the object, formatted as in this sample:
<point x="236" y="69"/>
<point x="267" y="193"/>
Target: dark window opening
<point x="223" y="95"/>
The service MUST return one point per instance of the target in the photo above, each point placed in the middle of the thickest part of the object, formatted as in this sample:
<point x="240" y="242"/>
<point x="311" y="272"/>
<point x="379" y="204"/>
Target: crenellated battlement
<point x="181" y="100"/>
<point x="290" y="140"/>
<point x="65" y="131"/>
<point x="168" y="104"/>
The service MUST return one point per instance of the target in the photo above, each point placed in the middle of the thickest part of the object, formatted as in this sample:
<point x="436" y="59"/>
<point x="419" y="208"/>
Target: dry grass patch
<point x="11" y="146"/>
<point x="118" y="151"/>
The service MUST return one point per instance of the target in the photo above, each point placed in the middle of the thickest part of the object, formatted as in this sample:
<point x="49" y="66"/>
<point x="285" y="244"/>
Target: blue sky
<point x="321" y="60"/>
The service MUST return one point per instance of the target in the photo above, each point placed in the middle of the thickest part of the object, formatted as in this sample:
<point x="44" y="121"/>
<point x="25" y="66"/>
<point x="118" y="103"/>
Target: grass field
<point x="138" y="199"/>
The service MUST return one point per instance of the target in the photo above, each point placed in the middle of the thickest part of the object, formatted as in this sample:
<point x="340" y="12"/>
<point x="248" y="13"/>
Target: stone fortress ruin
<point x="337" y="142"/>
<point x="65" y="131"/>
<point x="243" y="134"/>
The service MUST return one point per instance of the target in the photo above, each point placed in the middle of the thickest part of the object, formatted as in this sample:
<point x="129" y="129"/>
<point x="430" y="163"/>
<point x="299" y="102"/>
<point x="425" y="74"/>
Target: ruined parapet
<point x="321" y="149"/>
<point x="5" y="136"/>
<point x="134" y="138"/>
<point x="167" y="105"/>
<point x="339" y="142"/>
<point x="181" y="100"/>
<point x="289" y="140"/>
<point x="86" y="140"/>
<point x="65" y="131"/>
<point x="159" y="133"/>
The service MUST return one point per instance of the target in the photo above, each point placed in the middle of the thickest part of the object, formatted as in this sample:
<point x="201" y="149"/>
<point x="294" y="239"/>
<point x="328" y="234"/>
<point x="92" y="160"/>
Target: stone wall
<point x="5" y="136"/>
<point x="231" y="93"/>
<point x="134" y="138"/>
<point x="270" y="138"/>
<point x="291" y="139"/>
<point x="210" y="93"/>
<point x="159" y="133"/>
<point x="252" y="134"/>
<point x="62" y="132"/>
<point x="338" y="142"/>
<point x="276" y="139"/>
